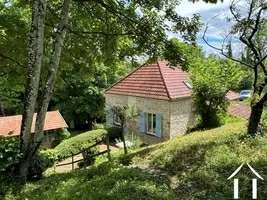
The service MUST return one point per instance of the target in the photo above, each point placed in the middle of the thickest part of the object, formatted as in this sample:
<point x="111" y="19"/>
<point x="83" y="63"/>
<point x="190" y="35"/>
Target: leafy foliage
<point x="212" y="78"/>
<point x="79" y="94"/>
<point x="77" y="143"/>
<point x="9" y="152"/>
<point x="114" y="132"/>
<point x="182" y="54"/>
<point x="60" y="135"/>
<point x="41" y="161"/>
<point x="99" y="126"/>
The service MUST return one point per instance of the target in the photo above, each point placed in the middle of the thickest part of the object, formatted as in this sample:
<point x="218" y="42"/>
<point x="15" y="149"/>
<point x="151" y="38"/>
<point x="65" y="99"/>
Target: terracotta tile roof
<point x="53" y="120"/>
<point x="239" y="110"/>
<point x="232" y="96"/>
<point x="155" y="81"/>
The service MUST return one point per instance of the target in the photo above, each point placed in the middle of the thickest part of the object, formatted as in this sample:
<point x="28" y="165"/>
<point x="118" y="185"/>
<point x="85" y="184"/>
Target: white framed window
<point x="151" y="123"/>
<point x="117" y="115"/>
<point x="189" y="85"/>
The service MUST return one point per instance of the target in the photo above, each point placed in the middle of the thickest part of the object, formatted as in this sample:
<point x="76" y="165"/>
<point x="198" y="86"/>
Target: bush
<point x="9" y="152"/>
<point x="211" y="80"/>
<point x="41" y="161"/>
<point x="78" y="143"/>
<point x="137" y="142"/>
<point x="114" y="132"/>
<point x="60" y="135"/>
<point x="97" y="126"/>
<point x="88" y="159"/>
<point x="9" y="157"/>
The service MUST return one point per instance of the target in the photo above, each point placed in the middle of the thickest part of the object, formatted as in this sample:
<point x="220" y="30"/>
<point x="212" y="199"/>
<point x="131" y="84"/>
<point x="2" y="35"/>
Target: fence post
<point x="107" y="138"/>
<point x="84" y="155"/>
<point x="72" y="160"/>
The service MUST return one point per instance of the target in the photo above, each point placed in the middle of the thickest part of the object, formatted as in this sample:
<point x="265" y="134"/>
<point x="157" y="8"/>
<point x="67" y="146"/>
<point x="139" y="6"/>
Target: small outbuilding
<point x="162" y="95"/>
<point x="11" y="125"/>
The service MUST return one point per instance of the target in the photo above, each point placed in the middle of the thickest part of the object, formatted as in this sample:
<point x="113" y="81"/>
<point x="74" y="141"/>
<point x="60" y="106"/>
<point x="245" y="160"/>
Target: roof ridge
<point x="161" y="74"/>
<point x="125" y="77"/>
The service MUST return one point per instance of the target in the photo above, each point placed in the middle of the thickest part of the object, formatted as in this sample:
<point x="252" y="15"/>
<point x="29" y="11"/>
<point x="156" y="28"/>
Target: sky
<point x="218" y="26"/>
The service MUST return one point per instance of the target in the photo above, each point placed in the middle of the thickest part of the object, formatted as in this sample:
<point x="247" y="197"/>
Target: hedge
<point x="78" y="143"/>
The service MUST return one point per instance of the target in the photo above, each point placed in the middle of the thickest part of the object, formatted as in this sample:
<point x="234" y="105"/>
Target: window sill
<point x="117" y="124"/>
<point x="152" y="134"/>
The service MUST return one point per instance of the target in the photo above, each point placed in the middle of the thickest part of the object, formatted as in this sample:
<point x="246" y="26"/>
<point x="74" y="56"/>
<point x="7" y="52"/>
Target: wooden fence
<point x="84" y="153"/>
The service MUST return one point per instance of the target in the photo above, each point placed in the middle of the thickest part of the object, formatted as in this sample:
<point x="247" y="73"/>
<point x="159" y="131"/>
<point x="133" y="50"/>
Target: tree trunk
<point x="53" y="66"/>
<point x="254" y="119"/>
<point x="35" y="56"/>
<point x="2" y="108"/>
<point x="123" y="122"/>
<point x="30" y="143"/>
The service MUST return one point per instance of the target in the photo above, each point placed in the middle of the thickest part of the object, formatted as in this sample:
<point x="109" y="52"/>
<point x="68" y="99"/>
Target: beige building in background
<point x="162" y="96"/>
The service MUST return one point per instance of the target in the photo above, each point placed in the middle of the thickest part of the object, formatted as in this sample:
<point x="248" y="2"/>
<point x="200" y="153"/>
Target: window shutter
<point x="142" y="124"/>
<point x="159" y="126"/>
<point x="110" y="115"/>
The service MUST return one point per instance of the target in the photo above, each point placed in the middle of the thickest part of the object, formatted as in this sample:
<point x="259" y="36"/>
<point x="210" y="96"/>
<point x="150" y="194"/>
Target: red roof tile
<point x="53" y="120"/>
<point x="239" y="110"/>
<point x="232" y="96"/>
<point x="155" y="81"/>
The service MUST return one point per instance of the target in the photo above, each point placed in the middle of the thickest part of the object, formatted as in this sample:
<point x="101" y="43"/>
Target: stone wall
<point x="182" y="116"/>
<point x="147" y="105"/>
<point x="176" y="115"/>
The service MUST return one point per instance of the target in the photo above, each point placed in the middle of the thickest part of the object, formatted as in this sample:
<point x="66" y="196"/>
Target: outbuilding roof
<point x="158" y="80"/>
<point x="11" y="125"/>
<point x="231" y="95"/>
<point x="239" y="110"/>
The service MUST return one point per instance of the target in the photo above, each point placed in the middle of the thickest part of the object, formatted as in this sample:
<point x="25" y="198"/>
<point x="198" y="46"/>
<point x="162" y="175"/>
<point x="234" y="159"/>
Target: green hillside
<point x="195" y="166"/>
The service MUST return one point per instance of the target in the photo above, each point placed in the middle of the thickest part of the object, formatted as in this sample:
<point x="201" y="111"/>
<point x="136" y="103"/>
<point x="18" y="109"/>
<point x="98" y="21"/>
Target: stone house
<point x="162" y="96"/>
<point x="11" y="125"/>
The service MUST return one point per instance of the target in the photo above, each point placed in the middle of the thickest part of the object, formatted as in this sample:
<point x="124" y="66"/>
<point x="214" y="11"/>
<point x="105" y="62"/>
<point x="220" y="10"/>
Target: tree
<point x="80" y="95"/>
<point x="181" y="54"/>
<point x="128" y="116"/>
<point x="249" y="27"/>
<point x="212" y="79"/>
<point x="229" y="50"/>
<point x="29" y="143"/>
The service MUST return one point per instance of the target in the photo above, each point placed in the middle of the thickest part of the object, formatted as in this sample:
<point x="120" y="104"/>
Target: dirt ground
<point x="68" y="168"/>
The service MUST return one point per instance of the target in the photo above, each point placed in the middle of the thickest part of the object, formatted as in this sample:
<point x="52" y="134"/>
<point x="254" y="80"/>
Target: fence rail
<point x="84" y="152"/>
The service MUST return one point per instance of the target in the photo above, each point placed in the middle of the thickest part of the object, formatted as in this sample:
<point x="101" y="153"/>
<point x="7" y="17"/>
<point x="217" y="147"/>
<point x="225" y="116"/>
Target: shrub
<point x="9" y="152"/>
<point x="97" y="126"/>
<point x="78" y="143"/>
<point x="60" y="135"/>
<point x="211" y="80"/>
<point x="41" y="161"/>
<point x="88" y="159"/>
<point x="9" y="157"/>
<point x="114" y="132"/>
<point x="137" y="142"/>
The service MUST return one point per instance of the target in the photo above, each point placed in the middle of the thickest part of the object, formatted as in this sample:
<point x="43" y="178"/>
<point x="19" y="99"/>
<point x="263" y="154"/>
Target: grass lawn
<point x="195" y="166"/>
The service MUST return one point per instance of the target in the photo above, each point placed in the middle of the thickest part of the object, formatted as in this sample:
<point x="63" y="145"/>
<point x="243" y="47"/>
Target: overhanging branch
<point x="221" y="49"/>
<point x="11" y="59"/>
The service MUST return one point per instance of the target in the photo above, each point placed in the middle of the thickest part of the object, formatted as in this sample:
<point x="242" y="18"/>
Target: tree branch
<point x="115" y="12"/>
<point x="221" y="49"/>
<point x="11" y="59"/>
<point x="99" y="32"/>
